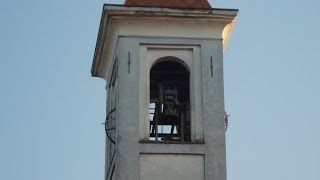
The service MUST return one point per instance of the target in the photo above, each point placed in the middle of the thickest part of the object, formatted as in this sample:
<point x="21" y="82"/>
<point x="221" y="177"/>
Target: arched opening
<point x="169" y="101"/>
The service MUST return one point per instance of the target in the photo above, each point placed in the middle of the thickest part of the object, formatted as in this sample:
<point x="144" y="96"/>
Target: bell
<point x="171" y="109"/>
<point x="171" y="103"/>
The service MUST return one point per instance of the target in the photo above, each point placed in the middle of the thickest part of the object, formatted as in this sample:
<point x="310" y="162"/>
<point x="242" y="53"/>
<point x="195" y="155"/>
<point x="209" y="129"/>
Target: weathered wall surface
<point x="207" y="121"/>
<point x="175" y="166"/>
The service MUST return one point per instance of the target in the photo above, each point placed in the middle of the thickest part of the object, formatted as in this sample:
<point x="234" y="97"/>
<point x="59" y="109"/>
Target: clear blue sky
<point x="51" y="109"/>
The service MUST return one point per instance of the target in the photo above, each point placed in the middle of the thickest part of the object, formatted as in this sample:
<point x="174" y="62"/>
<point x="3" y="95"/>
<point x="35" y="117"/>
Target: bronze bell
<point x="171" y="103"/>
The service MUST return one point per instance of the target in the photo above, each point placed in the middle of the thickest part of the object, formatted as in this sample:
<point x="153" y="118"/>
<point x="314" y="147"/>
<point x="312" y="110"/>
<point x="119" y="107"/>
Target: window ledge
<point x="170" y="142"/>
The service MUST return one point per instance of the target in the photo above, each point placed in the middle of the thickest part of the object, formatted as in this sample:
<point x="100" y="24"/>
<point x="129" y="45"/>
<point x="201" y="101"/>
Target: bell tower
<point x="163" y="65"/>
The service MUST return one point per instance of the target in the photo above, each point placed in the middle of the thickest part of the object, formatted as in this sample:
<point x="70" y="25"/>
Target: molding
<point x="151" y="22"/>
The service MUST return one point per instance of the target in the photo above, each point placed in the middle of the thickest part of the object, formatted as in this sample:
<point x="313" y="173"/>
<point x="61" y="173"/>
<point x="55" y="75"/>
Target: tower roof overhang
<point x="122" y="20"/>
<point x="189" y="4"/>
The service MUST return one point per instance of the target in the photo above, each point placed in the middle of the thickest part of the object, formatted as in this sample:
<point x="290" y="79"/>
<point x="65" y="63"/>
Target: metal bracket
<point x="211" y="66"/>
<point x="129" y="62"/>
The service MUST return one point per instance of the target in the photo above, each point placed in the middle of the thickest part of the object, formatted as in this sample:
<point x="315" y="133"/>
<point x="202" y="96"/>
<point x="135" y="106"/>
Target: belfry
<point x="163" y="65"/>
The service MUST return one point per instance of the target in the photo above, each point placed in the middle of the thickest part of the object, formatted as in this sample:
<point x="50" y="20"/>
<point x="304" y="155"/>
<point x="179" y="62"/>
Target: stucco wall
<point x="171" y="167"/>
<point x="208" y="104"/>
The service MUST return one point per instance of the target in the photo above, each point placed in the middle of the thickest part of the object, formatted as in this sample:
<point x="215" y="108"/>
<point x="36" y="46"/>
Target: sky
<point x="51" y="109"/>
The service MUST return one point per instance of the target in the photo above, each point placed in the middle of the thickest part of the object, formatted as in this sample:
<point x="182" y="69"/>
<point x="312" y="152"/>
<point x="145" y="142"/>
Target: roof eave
<point x="110" y="10"/>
